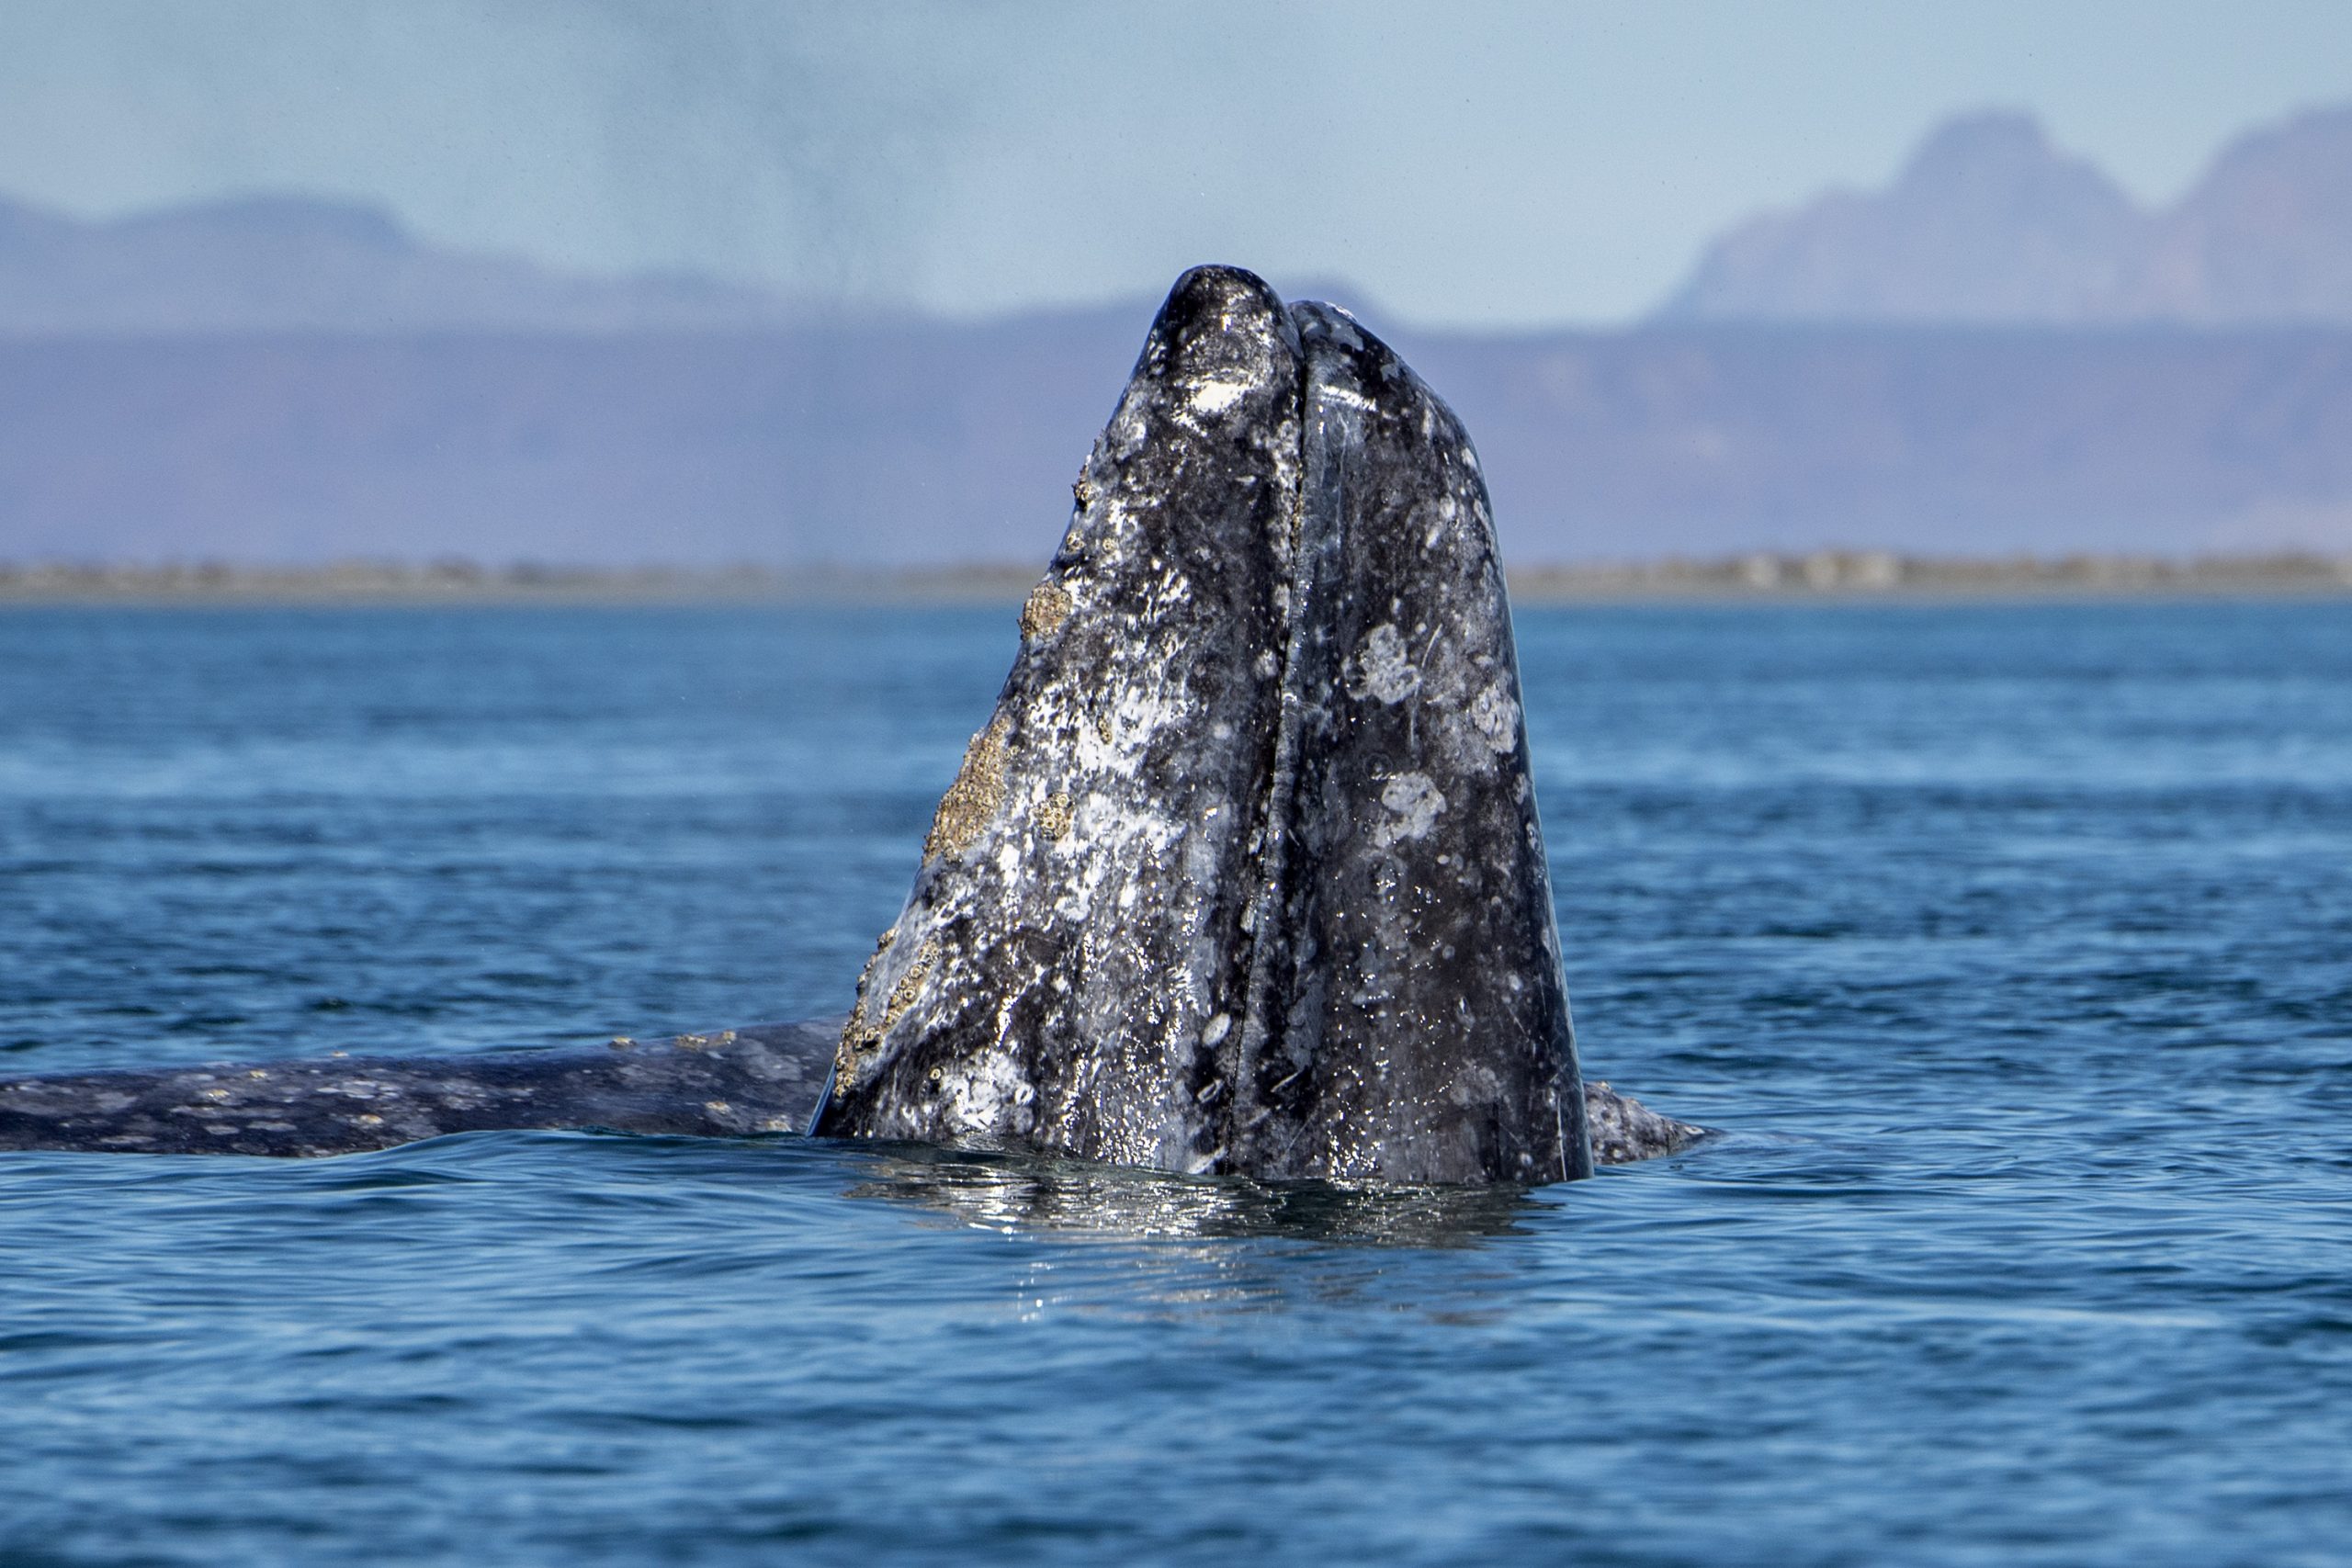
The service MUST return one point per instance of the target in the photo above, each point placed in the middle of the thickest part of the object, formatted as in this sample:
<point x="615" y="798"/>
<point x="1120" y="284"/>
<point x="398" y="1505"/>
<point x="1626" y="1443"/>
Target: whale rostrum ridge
<point x="1244" y="873"/>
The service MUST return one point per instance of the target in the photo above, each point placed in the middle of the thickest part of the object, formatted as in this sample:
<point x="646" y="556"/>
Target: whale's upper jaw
<point x="1244" y="873"/>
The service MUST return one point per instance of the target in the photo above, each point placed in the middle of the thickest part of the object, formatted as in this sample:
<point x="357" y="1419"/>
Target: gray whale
<point x="1244" y="875"/>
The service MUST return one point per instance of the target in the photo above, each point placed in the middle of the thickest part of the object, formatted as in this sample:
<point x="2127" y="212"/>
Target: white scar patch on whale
<point x="1445" y="511"/>
<point x="1383" y="666"/>
<point x="1415" y="803"/>
<point x="1496" y="715"/>
<point x="1214" y="395"/>
<point x="1345" y="396"/>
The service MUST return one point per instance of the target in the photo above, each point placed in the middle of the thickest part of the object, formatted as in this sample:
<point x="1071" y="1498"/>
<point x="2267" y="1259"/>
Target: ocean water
<point x="2009" y="947"/>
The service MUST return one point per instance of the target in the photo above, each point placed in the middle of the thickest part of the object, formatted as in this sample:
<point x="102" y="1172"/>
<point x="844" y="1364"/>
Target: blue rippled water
<point x="2011" y="946"/>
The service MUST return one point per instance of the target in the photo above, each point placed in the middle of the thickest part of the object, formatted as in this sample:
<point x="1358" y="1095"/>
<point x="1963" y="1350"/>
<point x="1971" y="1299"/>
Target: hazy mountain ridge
<point x="303" y="264"/>
<point x="931" y="443"/>
<point x="291" y="380"/>
<point x="1988" y="222"/>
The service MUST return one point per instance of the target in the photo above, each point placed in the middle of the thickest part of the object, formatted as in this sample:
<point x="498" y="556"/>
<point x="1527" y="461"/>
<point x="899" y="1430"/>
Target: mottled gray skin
<point x="762" y="1079"/>
<point x="1073" y="950"/>
<point x="1410" y="1021"/>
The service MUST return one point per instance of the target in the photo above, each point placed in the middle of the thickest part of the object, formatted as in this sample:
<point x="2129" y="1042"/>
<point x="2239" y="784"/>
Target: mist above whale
<point x="1243" y="876"/>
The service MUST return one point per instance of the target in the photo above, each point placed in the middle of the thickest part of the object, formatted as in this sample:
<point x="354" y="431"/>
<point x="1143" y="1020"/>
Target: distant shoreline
<point x="1827" y="576"/>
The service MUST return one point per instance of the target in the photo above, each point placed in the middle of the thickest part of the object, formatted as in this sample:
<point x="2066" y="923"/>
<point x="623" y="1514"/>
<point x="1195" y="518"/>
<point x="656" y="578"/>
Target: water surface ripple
<point x="2011" y="946"/>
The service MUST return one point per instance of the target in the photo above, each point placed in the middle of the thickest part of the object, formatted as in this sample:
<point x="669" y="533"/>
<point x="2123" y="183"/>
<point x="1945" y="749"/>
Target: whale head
<point x="1244" y="873"/>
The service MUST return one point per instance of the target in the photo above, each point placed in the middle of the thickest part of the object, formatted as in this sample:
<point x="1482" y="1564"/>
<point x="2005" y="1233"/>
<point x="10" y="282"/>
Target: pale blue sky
<point x="1484" y="164"/>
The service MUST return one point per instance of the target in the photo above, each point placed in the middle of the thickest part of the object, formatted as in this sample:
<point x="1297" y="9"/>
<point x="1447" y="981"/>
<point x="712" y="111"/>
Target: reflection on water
<point x="1016" y="1193"/>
